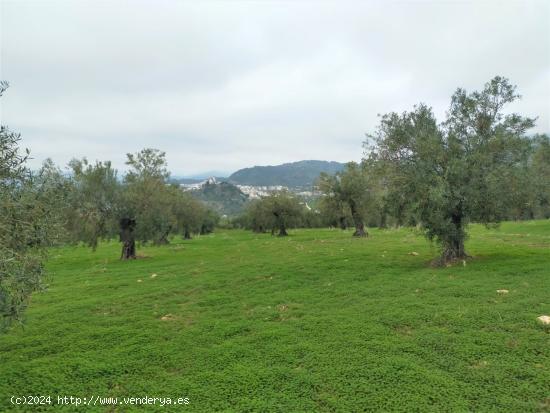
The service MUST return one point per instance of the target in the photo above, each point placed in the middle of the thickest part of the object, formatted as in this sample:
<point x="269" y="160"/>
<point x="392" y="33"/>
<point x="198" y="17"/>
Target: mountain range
<point x="301" y="174"/>
<point x="292" y="175"/>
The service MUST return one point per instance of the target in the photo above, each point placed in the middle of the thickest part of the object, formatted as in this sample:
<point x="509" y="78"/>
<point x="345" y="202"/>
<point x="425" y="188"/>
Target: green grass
<point x="315" y="322"/>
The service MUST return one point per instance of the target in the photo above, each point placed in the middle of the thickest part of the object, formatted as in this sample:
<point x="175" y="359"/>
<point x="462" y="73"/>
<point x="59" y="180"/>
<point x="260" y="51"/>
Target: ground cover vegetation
<point x="317" y="321"/>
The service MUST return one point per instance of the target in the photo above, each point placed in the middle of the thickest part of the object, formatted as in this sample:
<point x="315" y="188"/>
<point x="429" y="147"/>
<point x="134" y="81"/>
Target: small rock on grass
<point x="544" y="319"/>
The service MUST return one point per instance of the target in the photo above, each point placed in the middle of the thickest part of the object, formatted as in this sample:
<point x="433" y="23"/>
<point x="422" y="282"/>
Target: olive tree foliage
<point x="457" y="171"/>
<point x="94" y="200"/>
<point x="347" y="193"/>
<point x="312" y="217"/>
<point x="209" y="220"/>
<point x="285" y="209"/>
<point x="538" y="178"/>
<point x="145" y="206"/>
<point x="334" y="211"/>
<point x="191" y="216"/>
<point x="530" y="197"/>
<point x="275" y="212"/>
<point x="30" y="221"/>
<point x="258" y="216"/>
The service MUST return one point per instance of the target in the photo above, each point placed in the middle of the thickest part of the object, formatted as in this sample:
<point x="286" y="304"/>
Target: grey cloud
<point x="224" y="85"/>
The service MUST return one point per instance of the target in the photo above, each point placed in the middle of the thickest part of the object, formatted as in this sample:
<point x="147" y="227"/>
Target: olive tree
<point x="276" y="212"/>
<point x="285" y="210"/>
<point x="258" y="217"/>
<point x="209" y="220"/>
<point x="334" y="211"/>
<point x="456" y="171"/>
<point x="189" y="213"/>
<point x="540" y="176"/>
<point x="30" y="221"/>
<point x="347" y="190"/>
<point x="95" y="194"/>
<point x="151" y="210"/>
<point x="145" y="212"/>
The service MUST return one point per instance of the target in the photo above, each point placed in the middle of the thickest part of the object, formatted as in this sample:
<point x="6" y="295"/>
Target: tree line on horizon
<point x="478" y="165"/>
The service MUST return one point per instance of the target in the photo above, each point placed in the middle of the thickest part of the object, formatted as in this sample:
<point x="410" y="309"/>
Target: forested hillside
<point x="292" y="175"/>
<point x="223" y="197"/>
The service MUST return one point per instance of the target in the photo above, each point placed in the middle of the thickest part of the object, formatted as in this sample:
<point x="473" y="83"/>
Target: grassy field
<point x="314" y="322"/>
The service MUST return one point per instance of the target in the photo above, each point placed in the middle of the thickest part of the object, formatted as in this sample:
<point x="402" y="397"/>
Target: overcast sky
<point x="225" y="85"/>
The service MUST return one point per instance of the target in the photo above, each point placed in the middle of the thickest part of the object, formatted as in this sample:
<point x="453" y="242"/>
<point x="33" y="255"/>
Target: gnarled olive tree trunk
<point x="281" y="225"/>
<point x="282" y="230"/>
<point x="186" y="233"/>
<point x="163" y="239"/>
<point x="127" y="237"/>
<point x="453" y="243"/>
<point x="342" y="223"/>
<point x="358" y="221"/>
<point x="383" y="223"/>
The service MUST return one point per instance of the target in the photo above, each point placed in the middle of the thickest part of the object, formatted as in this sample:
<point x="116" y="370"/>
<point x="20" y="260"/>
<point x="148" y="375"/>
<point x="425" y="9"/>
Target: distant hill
<point x="292" y="175"/>
<point x="223" y="197"/>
